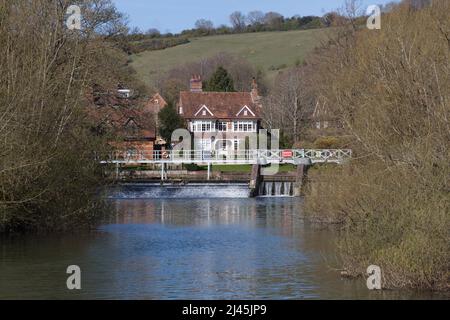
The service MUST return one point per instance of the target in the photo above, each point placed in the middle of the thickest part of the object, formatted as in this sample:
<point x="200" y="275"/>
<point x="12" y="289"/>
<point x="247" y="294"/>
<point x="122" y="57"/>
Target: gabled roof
<point x="129" y="121"/>
<point x="222" y="105"/>
<point x="205" y="111"/>
<point x="155" y="103"/>
<point x="244" y="110"/>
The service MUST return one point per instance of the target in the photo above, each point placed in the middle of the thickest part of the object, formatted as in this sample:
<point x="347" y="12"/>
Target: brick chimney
<point x="196" y="84"/>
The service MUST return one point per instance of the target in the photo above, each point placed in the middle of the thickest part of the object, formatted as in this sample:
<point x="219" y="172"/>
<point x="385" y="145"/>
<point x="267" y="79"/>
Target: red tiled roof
<point x="223" y="105"/>
<point x="122" y="116"/>
<point x="155" y="104"/>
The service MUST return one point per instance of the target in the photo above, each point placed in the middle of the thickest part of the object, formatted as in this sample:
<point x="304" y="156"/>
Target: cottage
<point x="123" y="116"/>
<point x="220" y="121"/>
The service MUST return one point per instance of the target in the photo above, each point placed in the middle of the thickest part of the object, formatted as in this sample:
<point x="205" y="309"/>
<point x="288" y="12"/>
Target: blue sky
<point x="176" y="15"/>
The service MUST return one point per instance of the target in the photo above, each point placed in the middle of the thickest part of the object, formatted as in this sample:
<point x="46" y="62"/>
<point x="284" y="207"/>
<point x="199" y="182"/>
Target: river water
<point x="226" y="247"/>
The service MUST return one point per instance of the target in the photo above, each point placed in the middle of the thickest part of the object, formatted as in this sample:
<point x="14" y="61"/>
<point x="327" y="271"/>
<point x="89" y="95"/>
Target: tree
<point x="289" y="103"/>
<point x="153" y="32"/>
<point x="204" y="25"/>
<point x="237" y="20"/>
<point x="54" y="183"/>
<point x="395" y="110"/>
<point x="255" y="17"/>
<point x="274" y="20"/>
<point x="171" y="82"/>
<point x="220" y="81"/>
<point x="169" y="121"/>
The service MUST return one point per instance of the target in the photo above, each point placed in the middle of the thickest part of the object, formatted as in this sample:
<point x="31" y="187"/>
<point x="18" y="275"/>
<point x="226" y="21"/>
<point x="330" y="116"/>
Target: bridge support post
<point x="162" y="171"/>
<point x="209" y="171"/>
<point x="255" y="180"/>
<point x="302" y="170"/>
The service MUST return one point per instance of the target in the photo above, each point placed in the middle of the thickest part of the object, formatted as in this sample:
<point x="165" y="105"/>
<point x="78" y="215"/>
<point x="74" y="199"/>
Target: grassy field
<point x="265" y="50"/>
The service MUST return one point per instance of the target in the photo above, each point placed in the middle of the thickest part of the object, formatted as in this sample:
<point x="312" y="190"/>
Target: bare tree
<point x="289" y="103"/>
<point x="176" y="79"/>
<point x="205" y="25"/>
<point x="273" y="19"/>
<point x="48" y="171"/>
<point x="237" y="20"/>
<point x="391" y="90"/>
<point x="255" y="17"/>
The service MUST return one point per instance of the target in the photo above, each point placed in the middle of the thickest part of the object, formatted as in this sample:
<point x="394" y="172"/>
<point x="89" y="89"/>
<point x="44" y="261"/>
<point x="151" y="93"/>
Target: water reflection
<point x="186" y="249"/>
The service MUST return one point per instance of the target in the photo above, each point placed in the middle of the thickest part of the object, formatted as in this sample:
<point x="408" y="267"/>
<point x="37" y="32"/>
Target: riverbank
<point x="390" y="92"/>
<point x="393" y="221"/>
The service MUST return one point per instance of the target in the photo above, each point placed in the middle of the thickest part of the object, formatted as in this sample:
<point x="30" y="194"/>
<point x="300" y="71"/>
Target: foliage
<point x="328" y="142"/>
<point x="220" y="81"/>
<point x="391" y="90"/>
<point x="49" y="174"/>
<point x="169" y="121"/>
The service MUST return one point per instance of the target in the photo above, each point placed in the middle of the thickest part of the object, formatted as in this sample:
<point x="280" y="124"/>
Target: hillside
<point x="269" y="51"/>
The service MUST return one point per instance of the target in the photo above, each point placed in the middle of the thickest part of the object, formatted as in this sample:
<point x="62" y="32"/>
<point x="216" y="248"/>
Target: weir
<point x="276" y="189"/>
<point x="181" y="183"/>
<point x="258" y="185"/>
<point x="178" y="191"/>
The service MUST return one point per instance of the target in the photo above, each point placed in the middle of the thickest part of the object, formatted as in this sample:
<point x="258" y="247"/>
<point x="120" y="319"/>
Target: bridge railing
<point x="295" y="156"/>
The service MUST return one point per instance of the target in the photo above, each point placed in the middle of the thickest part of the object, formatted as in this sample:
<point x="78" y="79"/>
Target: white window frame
<point x="244" y="126"/>
<point x="202" y="125"/>
<point x="236" y="144"/>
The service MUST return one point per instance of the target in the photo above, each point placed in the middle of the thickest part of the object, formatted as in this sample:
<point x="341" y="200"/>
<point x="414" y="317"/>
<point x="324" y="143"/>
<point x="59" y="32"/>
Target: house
<point x="114" y="113"/>
<point x="220" y="121"/>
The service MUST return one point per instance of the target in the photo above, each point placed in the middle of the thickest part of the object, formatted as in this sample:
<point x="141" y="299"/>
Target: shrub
<point x="391" y="90"/>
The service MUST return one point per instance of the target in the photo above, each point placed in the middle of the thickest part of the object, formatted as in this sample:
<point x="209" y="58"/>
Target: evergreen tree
<point x="169" y="121"/>
<point x="220" y="81"/>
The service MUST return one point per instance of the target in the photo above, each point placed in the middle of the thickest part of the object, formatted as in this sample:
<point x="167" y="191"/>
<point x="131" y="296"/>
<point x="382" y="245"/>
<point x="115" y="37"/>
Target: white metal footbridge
<point x="260" y="157"/>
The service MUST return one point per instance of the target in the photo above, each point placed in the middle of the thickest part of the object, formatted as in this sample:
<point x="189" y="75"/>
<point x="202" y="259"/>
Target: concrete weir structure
<point x="277" y="185"/>
<point x="262" y="181"/>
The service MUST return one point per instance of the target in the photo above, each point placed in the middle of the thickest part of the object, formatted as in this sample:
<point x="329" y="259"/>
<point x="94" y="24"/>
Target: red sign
<point x="287" y="154"/>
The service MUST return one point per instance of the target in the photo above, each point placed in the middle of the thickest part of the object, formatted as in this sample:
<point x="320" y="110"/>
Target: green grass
<point x="265" y="50"/>
<point x="238" y="168"/>
<point x="248" y="168"/>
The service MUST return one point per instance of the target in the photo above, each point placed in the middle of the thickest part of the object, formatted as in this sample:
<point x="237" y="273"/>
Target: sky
<point x="177" y="15"/>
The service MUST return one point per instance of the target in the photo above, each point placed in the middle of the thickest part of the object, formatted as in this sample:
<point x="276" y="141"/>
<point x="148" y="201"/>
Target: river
<point x="226" y="247"/>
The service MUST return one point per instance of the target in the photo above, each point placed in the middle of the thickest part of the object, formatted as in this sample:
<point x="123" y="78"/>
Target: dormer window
<point x="204" y="111"/>
<point x="246" y="111"/>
